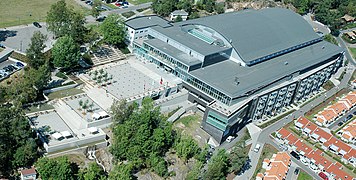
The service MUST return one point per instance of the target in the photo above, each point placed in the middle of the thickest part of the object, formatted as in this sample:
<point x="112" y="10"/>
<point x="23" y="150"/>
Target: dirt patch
<point x="259" y="5"/>
<point x="105" y="157"/>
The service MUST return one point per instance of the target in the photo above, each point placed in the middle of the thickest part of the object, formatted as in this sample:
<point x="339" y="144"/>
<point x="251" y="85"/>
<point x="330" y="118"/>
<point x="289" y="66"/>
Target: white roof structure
<point x="66" y="134"/>
<point x="103" y="114"/>
<point x="95" y="116"/>
<point x="93" y="129"/>
<point x="57" y="135"/>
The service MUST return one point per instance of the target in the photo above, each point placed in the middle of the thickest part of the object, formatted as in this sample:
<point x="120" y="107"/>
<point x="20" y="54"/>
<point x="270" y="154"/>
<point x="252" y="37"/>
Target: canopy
<point x="93" y="129"/>
<point x="57" y="135"/>
<point x="66" y="134"/>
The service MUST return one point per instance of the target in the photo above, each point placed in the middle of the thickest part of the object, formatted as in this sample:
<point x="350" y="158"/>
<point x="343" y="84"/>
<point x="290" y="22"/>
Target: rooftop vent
<point x="237" y="81"/>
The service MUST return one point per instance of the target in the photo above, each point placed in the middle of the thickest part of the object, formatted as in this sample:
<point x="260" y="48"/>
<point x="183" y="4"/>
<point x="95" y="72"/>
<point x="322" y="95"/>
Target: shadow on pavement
<point x="4" y="34"/>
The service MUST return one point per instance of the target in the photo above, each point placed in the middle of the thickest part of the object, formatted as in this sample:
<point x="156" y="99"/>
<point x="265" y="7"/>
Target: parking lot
<point x="9" y="67"/>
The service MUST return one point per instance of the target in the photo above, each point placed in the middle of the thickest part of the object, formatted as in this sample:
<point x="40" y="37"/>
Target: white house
<point x="180" y="13"/>
<point x="27" y="174"/>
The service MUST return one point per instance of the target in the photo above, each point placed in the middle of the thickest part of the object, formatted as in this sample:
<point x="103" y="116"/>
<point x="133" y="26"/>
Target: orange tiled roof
<point x="278" y="169"/>
<point x="282" y="157"/>
<point x="292" y="139"/>
<point x="351" y="97"/>
<point x="303" y="147"/>
<point x="322" y="134"/>
<point x="328" y="114"/>
<point x="284" y="133"/>
<point x="338" y="107"/>
<point x="303" y="120"/>
<point x="344" y="135"/>
<point x="311" y="126"/>
<point x="350" y="128"/>
<point x="338" y="172"/>
<point x="318" y="158"/>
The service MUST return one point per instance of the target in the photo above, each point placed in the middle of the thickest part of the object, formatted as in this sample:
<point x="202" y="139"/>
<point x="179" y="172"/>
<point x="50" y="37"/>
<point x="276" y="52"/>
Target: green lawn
<point x="187" y="120"/>
<point x="135" y="2"/>
<point x="304" y="176"/>
<point x="18" y="12"/>
<point x="64" y="93"/>
<point x="36" y="108"/>
<point x="353" y="52"/>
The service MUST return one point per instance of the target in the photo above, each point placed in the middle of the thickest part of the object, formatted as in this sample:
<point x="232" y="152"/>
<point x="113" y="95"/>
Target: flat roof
<point x="256" y="33"/>
<point x="172" y="51"/>
<point x="222" y="75"/>
<point x="176" y="33"/>
<point x="140" y="22"/>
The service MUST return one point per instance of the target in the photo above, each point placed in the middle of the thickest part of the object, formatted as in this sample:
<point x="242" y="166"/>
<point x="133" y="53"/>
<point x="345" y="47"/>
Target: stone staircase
<point x="106" y="55"/>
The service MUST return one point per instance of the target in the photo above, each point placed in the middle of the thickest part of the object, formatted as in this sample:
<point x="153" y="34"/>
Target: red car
<point x="322" y="175"/>
<point x="118" y="4"/>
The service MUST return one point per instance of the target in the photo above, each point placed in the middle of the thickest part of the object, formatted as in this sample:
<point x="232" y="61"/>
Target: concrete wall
<point x="60" y="88"/>
<point x="5" y="54"/>
<point x="100" y="122"/>
<point x="76" y="143"/>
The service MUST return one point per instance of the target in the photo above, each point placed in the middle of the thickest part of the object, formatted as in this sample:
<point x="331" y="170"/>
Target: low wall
<point x="5" y="54"/>
<point x="75" y="144"/>
<point x="98" y="123"/>
<point x="60" y="88"/>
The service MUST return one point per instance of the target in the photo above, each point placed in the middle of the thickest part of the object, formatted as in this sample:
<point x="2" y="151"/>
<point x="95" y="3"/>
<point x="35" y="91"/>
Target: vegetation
<point x="186" y="147"/>
<point x="353" y="52"/>
<point x="95" y="8"/>
<point x="60" y="168"/>
<point x="330" y="38"/>
<point x="238" y="156"/>
<point x="142" y="9"/>
<point x="18" y="147"/>
<point x="26" y="13"/>
<point x="65" y="53"/>
<point x="113" y="30"/>
<point x="122" y="171"/>
<point x="64" y="93"/>
<point x="328" y="85"/>
<point x="218" y="166"/>
<point x="61" y="75"/>
<point x="35" y="51"/>
<point x="141" y="135"/>
<point x="304" y="176"/>
<point x="128" y="14"/>
<point x="93" y="172"/>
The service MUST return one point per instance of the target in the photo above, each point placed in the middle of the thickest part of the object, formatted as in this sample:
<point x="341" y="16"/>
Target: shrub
<point x="87" y="59"/>
<point x="61" y="75"/>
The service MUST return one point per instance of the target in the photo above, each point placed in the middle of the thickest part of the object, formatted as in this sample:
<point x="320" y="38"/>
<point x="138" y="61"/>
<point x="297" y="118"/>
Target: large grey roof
<point x="172" y="51"/>
<point x="222" y="75"/>
<point x="176" y="33"/>
<point x="257" y="33"/>
<point x="146" y="21"/>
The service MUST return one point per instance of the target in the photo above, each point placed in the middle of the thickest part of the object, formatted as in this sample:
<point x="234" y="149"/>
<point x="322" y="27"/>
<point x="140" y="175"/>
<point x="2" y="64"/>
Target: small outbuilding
<point x="348" y="19"/>
<point x="181" y="13"/>
<point x="28" y="174"/>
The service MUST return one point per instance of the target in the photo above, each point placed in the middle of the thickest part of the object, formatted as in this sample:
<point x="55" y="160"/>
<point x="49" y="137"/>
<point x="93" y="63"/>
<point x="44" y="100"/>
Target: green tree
<point x="209" y="5"/>
<point x="194" y="173"/>
<point x="39" y="78"/>
<point x="58" y="18"/>
<point x="35" y="51"/>
<point x="65" y="53"/>
<point x="331" y="39"/>
<point x="17" y="140"/>
<point x="157" y="164"/>
<point x="93" y="172"/>
<point x="60" y="168"/>
<point x="220" y="8"/>
<point x="218" y="167"/>
<point x="77" y="29"/>
<point x="194" y="15"/>
<point x="186" y="148"/>
<point x="238" y="156"/>
<point x="164" y="7"/>
<point x="113" y="30"/>
<point x="178" y="18"/>
<point x="122" y="171"/>
<point x="186" y="5"/>
<point x="203" y="154"/>
<point x="95" y="8"/>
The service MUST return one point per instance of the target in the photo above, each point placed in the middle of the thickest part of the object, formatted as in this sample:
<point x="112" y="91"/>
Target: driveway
<point x="19" y="37"/>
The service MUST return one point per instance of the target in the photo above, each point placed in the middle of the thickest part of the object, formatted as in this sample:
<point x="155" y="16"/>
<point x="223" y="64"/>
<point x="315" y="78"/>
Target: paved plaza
<point x="87" y="114"/>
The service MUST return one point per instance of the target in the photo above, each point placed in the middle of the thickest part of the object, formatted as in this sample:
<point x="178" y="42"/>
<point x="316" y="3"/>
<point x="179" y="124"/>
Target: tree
<point x="186" y="147"/>
<point x="238" y="156"/>
<point x="35" y="51"/>
<point x="122" y="171"/>
<point x="178" y="18"/>
<point x="58" y="18"/>
<point x="194" y="173"/>
<point x="17" y="140"/>
<point x="220" y="8"/>
<point x="121" y="111"/>
<point x="186" y="5"/>
<point x="209" y="5"/>
<point x="164" y="7"/>
<point x="39" y="78"/>
<point x="157" y="164"/>
<point x="93" y="172"/>
<point x="95" y="8"/>
<point x="113" y="30"/>
<point x="65" y="53"/>
<point x="63" y="20"/>
<point x="60" y="168"/>
<point x="193" y="15"/>
<point x="218" y="167"/>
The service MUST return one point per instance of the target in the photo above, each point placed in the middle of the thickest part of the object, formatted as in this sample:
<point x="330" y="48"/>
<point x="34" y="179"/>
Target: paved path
<point x="347" y="52"/>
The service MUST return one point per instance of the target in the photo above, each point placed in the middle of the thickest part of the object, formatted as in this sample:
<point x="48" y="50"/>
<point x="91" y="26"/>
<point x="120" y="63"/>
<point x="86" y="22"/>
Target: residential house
<point x="181" y="13"/>
<point x="276" y="167"/>
<point x="28" y="174"/>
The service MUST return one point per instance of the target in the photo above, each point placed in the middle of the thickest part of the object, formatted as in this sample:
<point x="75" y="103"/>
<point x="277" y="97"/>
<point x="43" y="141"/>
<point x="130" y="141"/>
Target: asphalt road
<point x="347" y="53"/>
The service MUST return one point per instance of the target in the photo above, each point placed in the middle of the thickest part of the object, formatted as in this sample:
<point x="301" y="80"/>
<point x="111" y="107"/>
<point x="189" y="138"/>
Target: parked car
<point x="348" y="117"/>
<point x="19" y="64"/>
<point x="340" y="123"/>
<point x="296" y="171"/>
<point x="36" y="24"/>
<point x="257" y="148"/>
<point x="354" y="113"/>
<point x="296" y="155"/>
<point x="323" y="176"/>
<point x="230" y="138"/>
<point x="101" y="18"/>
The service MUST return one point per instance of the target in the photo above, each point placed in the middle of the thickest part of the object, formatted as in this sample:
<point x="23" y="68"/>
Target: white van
<point x="230" y="138"/>
<point x="257" y="148"/>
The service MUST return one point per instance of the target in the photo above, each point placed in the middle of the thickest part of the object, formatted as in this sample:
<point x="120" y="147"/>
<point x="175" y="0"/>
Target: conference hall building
<point x="241" y="66"/>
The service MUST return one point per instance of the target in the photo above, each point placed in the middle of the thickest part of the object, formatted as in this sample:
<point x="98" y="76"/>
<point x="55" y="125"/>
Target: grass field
<point x="64" y="93"/>
<point x="353" y="52"/>
<point x="304" y="176"/>
<point x="138" y="1"/>
<point x="18" y="12"/>
<point x="41" y="107"/>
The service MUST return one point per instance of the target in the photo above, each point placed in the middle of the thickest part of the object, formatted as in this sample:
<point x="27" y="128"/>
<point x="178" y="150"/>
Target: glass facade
<point x="217" y="121"/>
